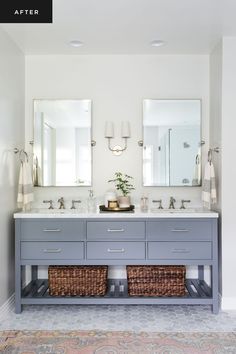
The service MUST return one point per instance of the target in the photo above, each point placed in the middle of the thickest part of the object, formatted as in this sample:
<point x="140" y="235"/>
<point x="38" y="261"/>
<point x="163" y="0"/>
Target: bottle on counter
<point x="91" y="202"/>
<point x="144" y="204"/>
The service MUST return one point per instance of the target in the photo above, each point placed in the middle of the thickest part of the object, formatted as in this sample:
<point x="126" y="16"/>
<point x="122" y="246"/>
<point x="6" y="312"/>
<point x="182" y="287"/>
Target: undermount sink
<point x="56" y="211"/>
<point x="187" y="210"/>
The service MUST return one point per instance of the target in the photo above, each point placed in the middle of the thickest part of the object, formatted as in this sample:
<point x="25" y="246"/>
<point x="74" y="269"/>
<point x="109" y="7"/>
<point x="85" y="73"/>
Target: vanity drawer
<point x="52" y="230"/>
<point x="179" y="230"/>
<point x="115" y="230"/>
<point x="52" y="250"/>
<point x="115" y="250"/>
<point x="179" y="250"/>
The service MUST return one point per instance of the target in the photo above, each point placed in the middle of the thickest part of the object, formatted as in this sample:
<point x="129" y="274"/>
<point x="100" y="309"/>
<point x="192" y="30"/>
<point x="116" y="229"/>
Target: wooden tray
<point x="105" y="209"/>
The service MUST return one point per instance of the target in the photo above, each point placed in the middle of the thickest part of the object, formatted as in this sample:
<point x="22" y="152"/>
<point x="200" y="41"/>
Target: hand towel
<point x="25" y="187"/>
<point x="197" y="171"/>
<point x="209" y="186"/>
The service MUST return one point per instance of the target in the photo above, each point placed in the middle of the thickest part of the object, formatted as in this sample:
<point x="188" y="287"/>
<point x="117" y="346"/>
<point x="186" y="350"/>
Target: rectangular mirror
<point x="172" y="142"/>
<point x="62" y="143"/>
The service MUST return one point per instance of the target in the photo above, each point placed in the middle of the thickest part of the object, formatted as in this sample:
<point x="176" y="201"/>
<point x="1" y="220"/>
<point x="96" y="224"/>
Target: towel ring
<point x="197" y="160"/>
<point x="25" y="155"/>
<point x="210" y="156"/>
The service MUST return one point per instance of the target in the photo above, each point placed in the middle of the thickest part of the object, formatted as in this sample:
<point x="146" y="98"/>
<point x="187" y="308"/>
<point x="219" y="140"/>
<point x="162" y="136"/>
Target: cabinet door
<point x="115" y="230"/>
<point x="52" y="250"/>
<point x="179" y="230"/>
<point x="115" y="250"/>
<point x="179" y="250"/>
<point x="52" y="230"/>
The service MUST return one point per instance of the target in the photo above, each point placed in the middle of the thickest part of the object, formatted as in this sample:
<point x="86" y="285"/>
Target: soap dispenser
<point x="91" y="203"/>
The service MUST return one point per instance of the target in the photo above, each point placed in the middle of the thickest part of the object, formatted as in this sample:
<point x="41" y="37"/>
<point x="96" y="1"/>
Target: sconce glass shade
<point x="125" y="130"/>
<point x="109" y="130"/>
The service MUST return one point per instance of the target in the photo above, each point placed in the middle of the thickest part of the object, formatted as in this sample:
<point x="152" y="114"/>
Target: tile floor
<point x="150" y="318"/>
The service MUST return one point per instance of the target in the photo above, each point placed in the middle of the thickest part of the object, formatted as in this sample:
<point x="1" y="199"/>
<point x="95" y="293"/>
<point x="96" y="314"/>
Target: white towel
<point x="25" y="188"/>
<point x="209" y="186"/>
<point x="196" y="181"/>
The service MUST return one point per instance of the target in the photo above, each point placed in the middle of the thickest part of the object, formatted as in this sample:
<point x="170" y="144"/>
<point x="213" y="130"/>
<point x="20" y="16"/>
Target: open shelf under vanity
<point x="37" y="292"/>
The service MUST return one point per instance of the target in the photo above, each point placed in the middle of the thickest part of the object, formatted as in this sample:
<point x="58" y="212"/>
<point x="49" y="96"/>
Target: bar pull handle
<point x="115" y="230"/>
<point x="51" y="230"/>
<point x="179" y="230"/>
<point x="180" y="250"/>
<point x="116" y="250"/>
<point x="52" y="250"/>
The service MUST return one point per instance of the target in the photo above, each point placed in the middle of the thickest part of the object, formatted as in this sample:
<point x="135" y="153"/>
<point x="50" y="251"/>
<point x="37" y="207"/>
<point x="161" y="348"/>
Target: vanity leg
<point x="18" y="268"/>
<point x="34" y="272"/>
<point x="214" y="285"/>
<point x="215" y="271"/>
<point x="201" y="272"/>
<point x="18" y="306"/>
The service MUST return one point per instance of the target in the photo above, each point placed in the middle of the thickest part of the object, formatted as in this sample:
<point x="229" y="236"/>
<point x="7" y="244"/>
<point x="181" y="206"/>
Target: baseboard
<point x="7" y="307"/>
<point x="228" y="303"/>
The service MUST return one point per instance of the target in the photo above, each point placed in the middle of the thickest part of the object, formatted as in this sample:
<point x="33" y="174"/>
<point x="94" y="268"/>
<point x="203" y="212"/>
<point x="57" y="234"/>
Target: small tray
<point x="105" y="209"/>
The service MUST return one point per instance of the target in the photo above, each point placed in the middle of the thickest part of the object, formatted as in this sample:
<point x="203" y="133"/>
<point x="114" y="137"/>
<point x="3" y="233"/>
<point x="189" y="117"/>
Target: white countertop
<point x="76" y="214"/>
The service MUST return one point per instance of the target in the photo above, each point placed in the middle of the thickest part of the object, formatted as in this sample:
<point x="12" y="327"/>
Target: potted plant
<point x="123" y="184"/>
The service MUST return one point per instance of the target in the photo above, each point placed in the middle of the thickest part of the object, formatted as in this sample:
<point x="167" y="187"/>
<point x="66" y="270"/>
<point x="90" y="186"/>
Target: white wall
<point x="117" y="86"/>
<point x="215" y="129"/>
<point x="228" y="173"/>
<point x="11" y="135"/>
<point x="222" y="134"/>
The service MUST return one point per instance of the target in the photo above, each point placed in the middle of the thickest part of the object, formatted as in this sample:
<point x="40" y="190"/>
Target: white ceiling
<point x="128" y="26"/>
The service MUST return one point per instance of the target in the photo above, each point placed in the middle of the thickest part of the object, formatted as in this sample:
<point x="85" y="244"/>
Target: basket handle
<point x="115" y="230"/>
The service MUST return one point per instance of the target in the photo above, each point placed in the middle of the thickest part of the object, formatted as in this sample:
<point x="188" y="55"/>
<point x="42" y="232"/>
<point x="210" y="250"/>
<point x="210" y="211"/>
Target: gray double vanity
<point x="153" y="238"/>
<point x="172" y="157"/>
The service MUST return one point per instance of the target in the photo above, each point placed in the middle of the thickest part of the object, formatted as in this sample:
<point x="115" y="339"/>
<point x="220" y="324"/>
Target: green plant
<point x="122" y="183"/>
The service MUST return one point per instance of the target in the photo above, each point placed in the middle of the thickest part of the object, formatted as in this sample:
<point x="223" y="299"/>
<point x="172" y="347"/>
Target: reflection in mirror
<point x="172" y="142"/>
<point x="62" y="142"/>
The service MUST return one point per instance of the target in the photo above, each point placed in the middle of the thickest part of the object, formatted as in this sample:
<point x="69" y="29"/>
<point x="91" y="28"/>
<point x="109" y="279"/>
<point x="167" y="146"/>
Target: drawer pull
<point x="53" y="250"/>
<point x="179" y="230"/>
<point x="51" y="230"/>
<point x="180" y="250"/>
<point x="118" y="250"/>
<point x="115" y="230"/>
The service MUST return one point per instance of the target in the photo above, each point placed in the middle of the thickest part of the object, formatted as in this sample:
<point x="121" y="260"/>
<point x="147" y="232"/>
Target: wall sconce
<point x="109" y="134"/>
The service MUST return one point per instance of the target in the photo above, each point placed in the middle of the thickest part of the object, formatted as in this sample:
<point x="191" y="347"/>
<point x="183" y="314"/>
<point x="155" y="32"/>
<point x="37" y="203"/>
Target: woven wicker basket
<point x="77" y="280"/>
<point x="156" y="280"/>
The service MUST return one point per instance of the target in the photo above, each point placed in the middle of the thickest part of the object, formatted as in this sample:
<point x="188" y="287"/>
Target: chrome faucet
<point x="50" y="203"/>
<point x="172" y="201"/>
<point x="62" y="203"/>
<point x="158" y="201"/>
<point x="182" y="203"/>
<point x="73" y="203"/>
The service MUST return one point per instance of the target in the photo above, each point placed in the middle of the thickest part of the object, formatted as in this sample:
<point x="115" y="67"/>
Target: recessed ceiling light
<point x="76" y="43"/>
<point x="157" y="43"/>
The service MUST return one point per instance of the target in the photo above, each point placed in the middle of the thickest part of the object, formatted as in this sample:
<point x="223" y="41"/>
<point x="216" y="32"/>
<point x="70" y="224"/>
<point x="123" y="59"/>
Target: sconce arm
<point x="118" y="149"/>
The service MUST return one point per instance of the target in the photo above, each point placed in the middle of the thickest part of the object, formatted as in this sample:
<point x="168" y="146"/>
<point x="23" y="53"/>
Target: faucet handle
<point x="73" y="203"/>
<point x="184" y="201"/>
<point x="61" y="201"/>
<point x="172" y="201"/>
<point x="50" y="202"/>
<point x="158" y="201"/>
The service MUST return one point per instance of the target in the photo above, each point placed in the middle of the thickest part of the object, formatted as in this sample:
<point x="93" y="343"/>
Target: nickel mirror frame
<point x="202" y="141"/>
<point x="93" y="142"/>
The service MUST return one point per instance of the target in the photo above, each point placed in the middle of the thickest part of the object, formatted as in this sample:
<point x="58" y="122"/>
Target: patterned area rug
<point x="95" y="342"/>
